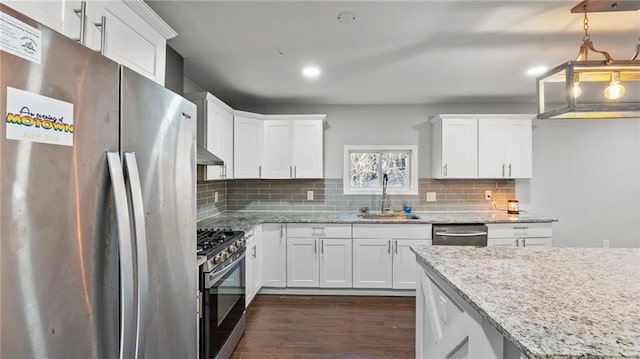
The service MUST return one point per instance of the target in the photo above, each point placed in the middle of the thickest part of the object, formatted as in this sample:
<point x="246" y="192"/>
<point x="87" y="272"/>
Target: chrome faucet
<point x="385" y="179"/>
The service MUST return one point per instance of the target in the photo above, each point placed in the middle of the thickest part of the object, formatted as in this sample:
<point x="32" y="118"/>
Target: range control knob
<point x="218" y="259"/>
<point x="231" y="249"/>
<point x="239" y="244"/>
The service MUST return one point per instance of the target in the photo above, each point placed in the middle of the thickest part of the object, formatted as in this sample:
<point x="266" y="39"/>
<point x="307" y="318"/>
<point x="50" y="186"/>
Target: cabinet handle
<point x="260" y="171"/>
<point x="295" y="171"/>
<point x="396" y="243"/>
<point x="517" y="242"/>
<point x="315" y="246"/>
<point x="389" y="248"/>
<point x="503" y="165"/>
<point x="103" y="33"/>
<point x="186" y="115"/>
<point x="322" y="246"/>
<point x="82" y="12"/>
<point x="225" y="171"/>
<point x="281" y="230"/>
<point x="516" y="228"/>
<point x="254" y="251"/>
<point x="444" y="168"/>
<point x="290" y="171"/>
<point x="509" y="170"/>
<point x="524" y="242"/>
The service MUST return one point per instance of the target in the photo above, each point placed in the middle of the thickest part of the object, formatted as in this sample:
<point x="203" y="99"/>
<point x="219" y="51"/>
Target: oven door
<point x="223" y="307"/>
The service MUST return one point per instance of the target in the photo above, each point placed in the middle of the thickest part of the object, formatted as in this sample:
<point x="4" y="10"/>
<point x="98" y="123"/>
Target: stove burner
<point x="212" y="241"/>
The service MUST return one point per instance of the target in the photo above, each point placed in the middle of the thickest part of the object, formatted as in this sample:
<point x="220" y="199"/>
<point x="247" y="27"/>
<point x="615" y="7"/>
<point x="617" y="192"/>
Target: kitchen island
<point x="536" y="303"/>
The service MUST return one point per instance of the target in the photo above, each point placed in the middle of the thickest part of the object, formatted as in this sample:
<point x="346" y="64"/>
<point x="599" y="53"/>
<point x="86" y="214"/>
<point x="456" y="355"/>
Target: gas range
<point x="219" y="246"/>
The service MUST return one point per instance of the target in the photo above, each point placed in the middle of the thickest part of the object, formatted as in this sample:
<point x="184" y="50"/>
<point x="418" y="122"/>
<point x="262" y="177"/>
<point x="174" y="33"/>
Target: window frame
<point x="413" y="169"/>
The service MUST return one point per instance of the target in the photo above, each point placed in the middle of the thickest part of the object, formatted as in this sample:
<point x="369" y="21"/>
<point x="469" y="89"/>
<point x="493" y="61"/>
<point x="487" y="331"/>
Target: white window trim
<point x="346" y="170"/>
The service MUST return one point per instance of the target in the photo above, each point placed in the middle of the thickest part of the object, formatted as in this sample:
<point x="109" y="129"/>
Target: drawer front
<point x="519" y="230"/>
<point x="406" y="231"/>
<point x="318" y="230"/>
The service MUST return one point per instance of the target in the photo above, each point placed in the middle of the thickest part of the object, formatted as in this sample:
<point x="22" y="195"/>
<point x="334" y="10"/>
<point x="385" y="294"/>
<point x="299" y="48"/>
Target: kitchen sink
<point x="387" y="216"/>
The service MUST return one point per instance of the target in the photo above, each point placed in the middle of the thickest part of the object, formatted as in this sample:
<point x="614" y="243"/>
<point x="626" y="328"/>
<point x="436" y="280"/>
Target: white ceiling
<point x="395" y="52"/>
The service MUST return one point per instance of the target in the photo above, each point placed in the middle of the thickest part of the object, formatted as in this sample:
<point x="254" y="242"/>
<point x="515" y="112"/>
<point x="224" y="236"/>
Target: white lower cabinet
<point x="319" y="262"/>
<point x="372" y="263"/>
<point x="382" y="257"/>
<point x="519" y="235"/>
<point x="253" y="264"/>
<point x="335" y="263"/>
<point x="274" y="244"/>
<point x="302" y="262"/>
<point x="404" y="263"/>
<point x="319" y="255"/>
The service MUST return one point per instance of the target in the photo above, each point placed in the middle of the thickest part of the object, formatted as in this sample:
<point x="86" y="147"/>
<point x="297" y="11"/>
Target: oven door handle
<point x="213" y="278"/>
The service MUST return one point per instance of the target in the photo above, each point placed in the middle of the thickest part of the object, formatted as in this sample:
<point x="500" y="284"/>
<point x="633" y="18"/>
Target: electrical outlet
<point x="309" y="195"/>
<point x="487" y="195"/>
<point x="442" y="309"/>
<point x="605" y="243"/>
<point x="215" y="197"/>
<point x="431" y="196"/>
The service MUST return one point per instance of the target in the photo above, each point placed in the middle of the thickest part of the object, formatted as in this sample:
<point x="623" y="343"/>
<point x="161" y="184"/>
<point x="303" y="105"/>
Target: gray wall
<point x="174" y="71"/>
<point x="586" y="173"/>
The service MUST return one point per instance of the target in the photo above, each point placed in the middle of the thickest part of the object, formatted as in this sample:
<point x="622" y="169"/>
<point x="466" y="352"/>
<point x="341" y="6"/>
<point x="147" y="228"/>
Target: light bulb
<point x="577" y="91"/>
<point x="615" y="90"/>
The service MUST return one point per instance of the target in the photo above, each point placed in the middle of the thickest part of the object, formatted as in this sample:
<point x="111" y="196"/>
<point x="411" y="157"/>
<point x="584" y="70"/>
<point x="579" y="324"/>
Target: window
<point x="365" y="167"/>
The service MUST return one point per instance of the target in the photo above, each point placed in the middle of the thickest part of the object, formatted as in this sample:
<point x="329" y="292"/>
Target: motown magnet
<point x="36" y="118"/>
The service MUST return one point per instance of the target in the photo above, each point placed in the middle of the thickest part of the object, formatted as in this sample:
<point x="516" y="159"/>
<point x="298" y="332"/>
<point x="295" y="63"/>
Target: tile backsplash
<point x="291" y="195"/>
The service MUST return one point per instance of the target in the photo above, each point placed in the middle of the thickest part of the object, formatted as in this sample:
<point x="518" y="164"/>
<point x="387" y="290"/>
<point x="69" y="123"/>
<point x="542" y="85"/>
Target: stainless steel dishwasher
<point x="459" y="235"/>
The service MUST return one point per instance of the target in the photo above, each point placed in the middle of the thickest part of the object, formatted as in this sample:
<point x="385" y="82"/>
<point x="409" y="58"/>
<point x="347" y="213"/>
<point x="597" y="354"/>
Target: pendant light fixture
<point x="586" y="88"/>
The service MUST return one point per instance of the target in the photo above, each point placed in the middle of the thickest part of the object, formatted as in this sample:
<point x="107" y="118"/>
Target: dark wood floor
<point x="322" y="327"/>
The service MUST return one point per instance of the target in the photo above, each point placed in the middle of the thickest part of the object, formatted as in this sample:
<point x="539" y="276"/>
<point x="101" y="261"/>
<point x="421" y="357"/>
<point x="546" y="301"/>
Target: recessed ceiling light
<point x="346" y="17"/>
<point x="311" y="72"/>
<point x="537" y="70"/>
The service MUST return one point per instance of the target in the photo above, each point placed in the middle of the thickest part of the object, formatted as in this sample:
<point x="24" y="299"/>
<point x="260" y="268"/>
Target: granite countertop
<point x="245" y="221"/>
<point x="549" y="302"/>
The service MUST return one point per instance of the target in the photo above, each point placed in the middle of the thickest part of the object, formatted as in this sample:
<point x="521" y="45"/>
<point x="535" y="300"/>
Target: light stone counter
<point x="549" y="302"/>
<point x="244" y="221"/>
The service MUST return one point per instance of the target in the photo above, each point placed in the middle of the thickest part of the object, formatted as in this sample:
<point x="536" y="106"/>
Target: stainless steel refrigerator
<point x="97" y="204"/>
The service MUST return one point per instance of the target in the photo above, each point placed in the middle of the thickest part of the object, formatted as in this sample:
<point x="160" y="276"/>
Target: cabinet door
<point x="129" y="39"/>
<point x="58" y="15"/>
<point x="248" y="142"/>
<point x="249" y="272"/>
<point x="491" y="148"/>
<point x="258" y="259"/>
<point x="302" y="262"/>
<point x="519" y="149"/>
<point x="404" y="263"/>
<point x="459" y="148"/>
<point x="502" y="242"/>
<point x="372" y="266"/>
<point x="335" y="263"/>
<point x="226" y="143"/>
<point x="277" y="149"/>
<point x="275" y="256"/>
<point x="536" y="242"/>
<point x="307" y="150"/>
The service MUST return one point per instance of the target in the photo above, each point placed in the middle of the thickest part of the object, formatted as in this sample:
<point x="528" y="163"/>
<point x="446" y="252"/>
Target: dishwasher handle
<point x="460" y="234"/>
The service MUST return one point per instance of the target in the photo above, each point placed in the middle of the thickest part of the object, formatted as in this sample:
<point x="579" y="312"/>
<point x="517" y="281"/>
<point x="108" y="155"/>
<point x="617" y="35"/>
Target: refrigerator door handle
<point x="125" y="249"/>
<point x="133" y="176"/>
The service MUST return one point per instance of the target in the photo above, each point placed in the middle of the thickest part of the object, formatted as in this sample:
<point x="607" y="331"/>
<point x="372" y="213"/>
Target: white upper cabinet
<point x="307" y="151"/>
<point x="57" y="15"/>
<point x="215" y="132"/>
<point x="293" y="146"/>
<point x="128" y="32"/>
<point x="505" y="148"/>
<point x="482" y="146"/>
<point x="248" y="143"/>
<point x="128" y="39"/>
<point x="277" y="149"/>
<point x="455" y="147"/>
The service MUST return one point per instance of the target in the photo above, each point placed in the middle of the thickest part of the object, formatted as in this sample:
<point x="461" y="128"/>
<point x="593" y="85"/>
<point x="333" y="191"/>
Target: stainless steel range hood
<point x="207" y="158"/>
